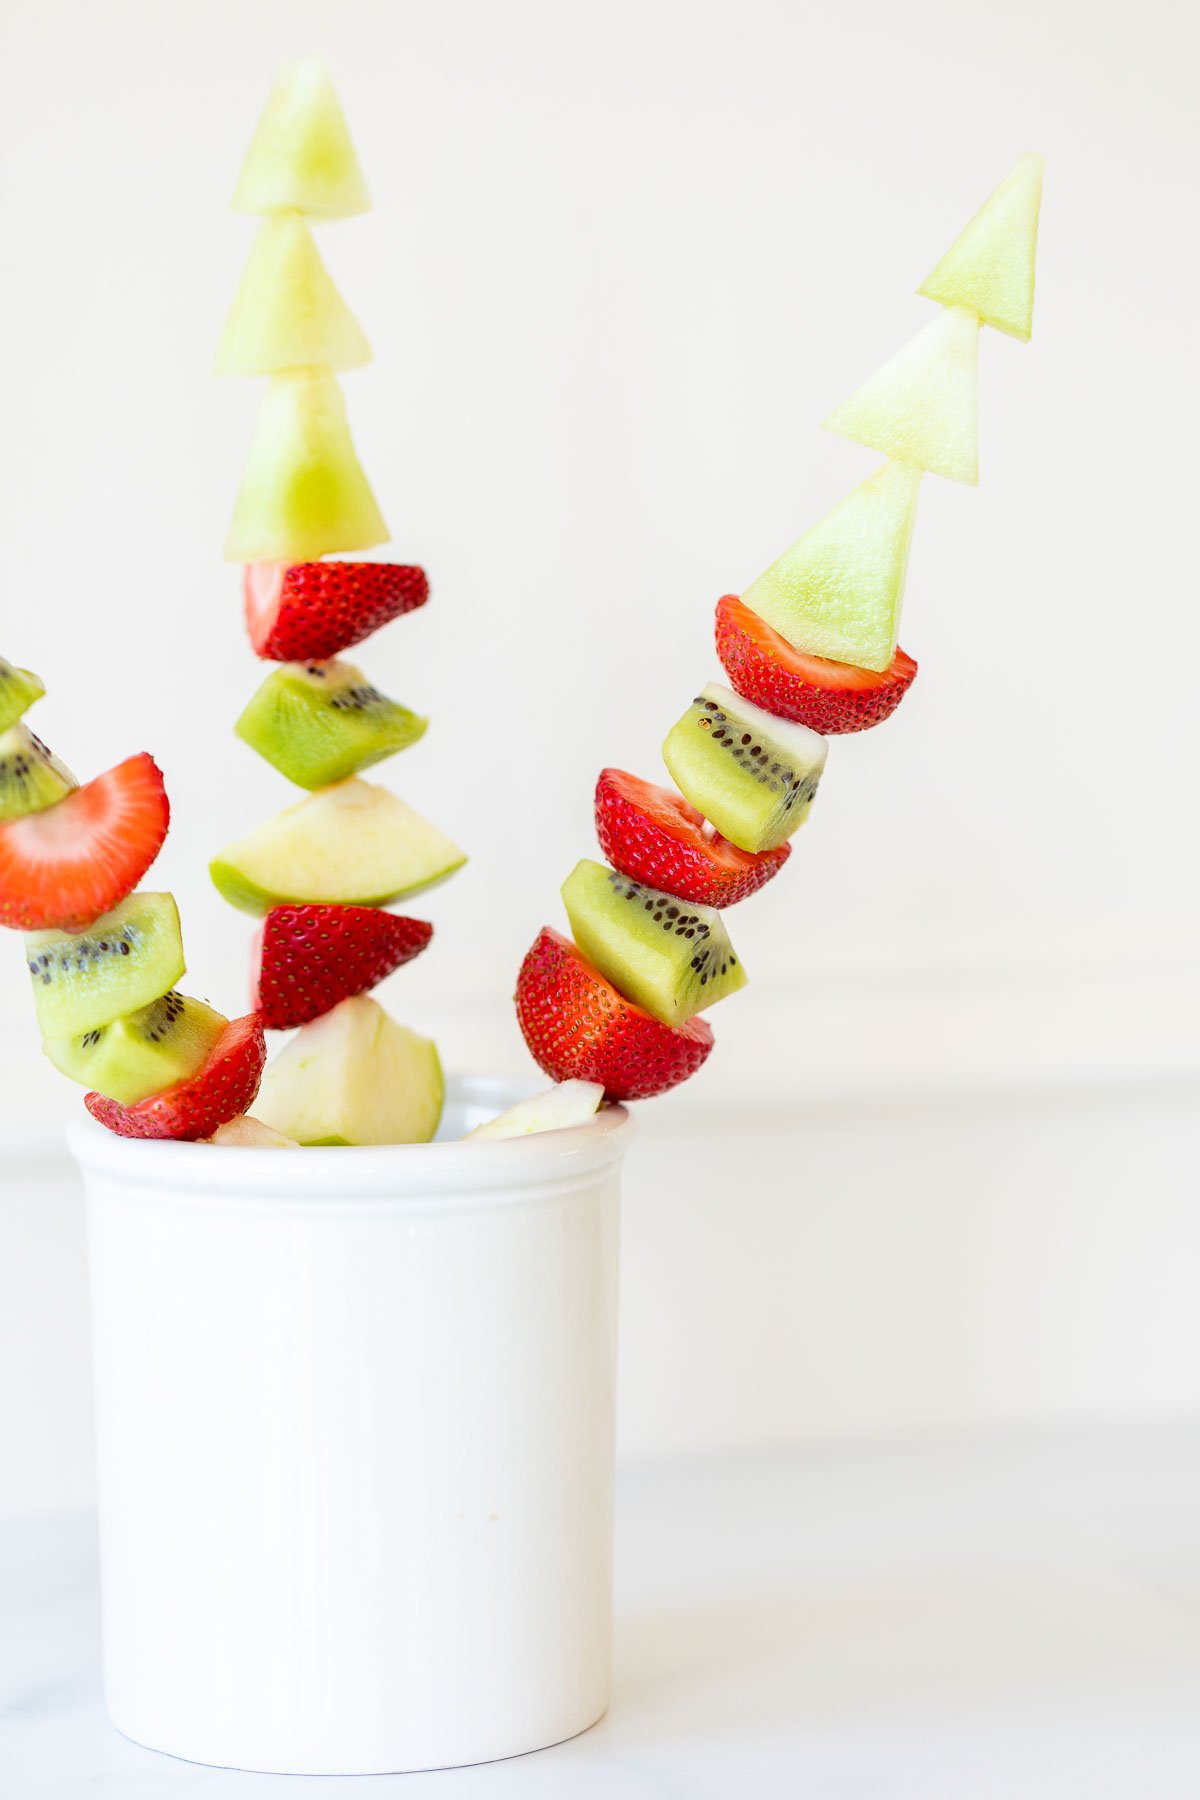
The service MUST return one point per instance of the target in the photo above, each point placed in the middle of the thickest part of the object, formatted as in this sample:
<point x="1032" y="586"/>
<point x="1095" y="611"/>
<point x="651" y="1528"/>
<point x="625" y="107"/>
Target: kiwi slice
<point x="19" y="688"/>
<point x="668" y="956"/>
<point x="752" y="775"/>
<point x="31" y="777"/>
<point x="321" y="722"/>
<point x="125" y="959"/>
<point x="142" y="1053"/>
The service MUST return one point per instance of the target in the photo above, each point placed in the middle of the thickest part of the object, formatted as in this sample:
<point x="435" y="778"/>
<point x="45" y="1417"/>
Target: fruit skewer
<point x="321" y="873"/>
<point x="810" y="650"/>
<point x="104" y="959"/>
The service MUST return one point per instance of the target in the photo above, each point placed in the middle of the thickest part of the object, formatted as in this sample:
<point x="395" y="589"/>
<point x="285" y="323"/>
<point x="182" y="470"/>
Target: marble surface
<point x="970" y="1621"/>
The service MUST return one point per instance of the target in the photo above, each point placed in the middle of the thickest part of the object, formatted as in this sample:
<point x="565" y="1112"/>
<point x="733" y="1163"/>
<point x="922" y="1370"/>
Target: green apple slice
<point x="839" y="589"/>
<point x="569" y="1103"/>
<point x="991" y="267"/>
<point x="354" y="1076"/>
<point x="301" y="157"/>
<point x="287" y="313"/>
<point x="303" y="493"/>
<point x="248" y="1133"/>
<point x="923" y="405"/>
<point x="349" y="845"/>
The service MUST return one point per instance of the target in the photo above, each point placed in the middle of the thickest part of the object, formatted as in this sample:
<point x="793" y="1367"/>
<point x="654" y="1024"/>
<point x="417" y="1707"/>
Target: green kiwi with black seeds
<point x="321" y="722"/>
<point x="31" y="777"/>
<point x="143" y="1052"/>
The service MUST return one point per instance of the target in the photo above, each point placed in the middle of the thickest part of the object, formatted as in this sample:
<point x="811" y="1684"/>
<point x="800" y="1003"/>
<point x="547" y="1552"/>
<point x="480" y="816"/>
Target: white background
<point x="940" y="1169"/>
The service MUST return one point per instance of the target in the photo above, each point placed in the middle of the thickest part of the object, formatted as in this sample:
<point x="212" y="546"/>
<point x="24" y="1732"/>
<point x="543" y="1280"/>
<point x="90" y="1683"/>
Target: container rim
<point x="403" y="1174"/>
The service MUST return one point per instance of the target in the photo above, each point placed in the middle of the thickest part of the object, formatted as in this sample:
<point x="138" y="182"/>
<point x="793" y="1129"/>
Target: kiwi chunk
<point x="668" y="956"/>
<point x="354" y="1076"/>
<point x="125" y="959"/>
<point x="321" y="722"/>
<point x="142" y="1053"/>
<point x="31" y="777"/>
<point x="752" y="775"/>
<point x="19" y="688"/>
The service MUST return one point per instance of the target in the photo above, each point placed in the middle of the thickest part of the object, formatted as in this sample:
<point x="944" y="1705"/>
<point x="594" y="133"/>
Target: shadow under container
<point x="354" y="1418"/>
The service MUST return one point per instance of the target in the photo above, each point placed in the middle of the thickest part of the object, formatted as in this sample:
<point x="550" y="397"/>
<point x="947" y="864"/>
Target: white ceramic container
<point x="354" y="1415"/>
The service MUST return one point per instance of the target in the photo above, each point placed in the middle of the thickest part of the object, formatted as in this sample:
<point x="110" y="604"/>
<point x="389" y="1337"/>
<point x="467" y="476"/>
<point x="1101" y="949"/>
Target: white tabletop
<point x="984" y="1621"/>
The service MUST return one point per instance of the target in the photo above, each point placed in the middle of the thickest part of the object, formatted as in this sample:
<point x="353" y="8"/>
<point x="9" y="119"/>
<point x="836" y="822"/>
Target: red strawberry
<point x="655" y="836"/>
<point x="224" y="1087"/>
<point x="306" y="612"/>
<point x="578" y="1027"/>
<point x="62" y="868"/>
<point x="311" y="957"/>
<point x="829" y="697"/>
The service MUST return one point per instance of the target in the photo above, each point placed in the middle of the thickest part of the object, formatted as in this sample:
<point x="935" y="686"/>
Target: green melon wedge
<point x="349" y="845"/>
<point x="354" y="1076"/>
<point x="287" y="313"/>
<point x="301" y="157"/>
<point x="839" y="589"/>
<point x="992" y="265"/>
<point x="923" y="405"/>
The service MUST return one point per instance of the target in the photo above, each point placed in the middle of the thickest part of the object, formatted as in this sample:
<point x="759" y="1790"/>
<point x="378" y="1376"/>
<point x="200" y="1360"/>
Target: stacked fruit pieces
<point x="322" y="872"/>
<point x="103" y="959"/>
<point x="810" y="650"/>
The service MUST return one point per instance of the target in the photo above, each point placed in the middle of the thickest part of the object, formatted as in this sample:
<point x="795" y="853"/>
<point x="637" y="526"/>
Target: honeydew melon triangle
<point x="301" y="157"/>
<point x="287" y="312"/>
<point x="923" y="405"/>
<point x="303" y="492"/>
<point x="992" y="265"/>
<point x="838" y="591"/>
<point x="349" y="845"/>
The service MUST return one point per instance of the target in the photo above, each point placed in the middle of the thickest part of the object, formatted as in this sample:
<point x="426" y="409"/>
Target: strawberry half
<point x="224" y="1087"/>
<point x="309" y="958"/>
<point x="654" y="835"/>
<point x="829" y="697"/>
<point x="305" y="612"/>
<point x="578" y="1027"/>
<point x="62" y="868"/>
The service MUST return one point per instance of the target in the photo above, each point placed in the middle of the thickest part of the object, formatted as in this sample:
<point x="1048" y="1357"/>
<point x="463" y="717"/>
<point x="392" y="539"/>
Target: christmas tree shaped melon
<point x="322" y="872"/>
<point x="810" y="648"/>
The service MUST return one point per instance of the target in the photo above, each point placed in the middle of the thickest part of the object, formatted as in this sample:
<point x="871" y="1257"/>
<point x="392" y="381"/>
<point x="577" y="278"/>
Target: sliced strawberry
<point x="305" y="612"/>
<point x="654" y="835"/>
<point x="829" y="697"/>
<point x="311" y="957"/>
<point x="62" y="868"/>
<point x="224" y="1087"/>
<point x="578" y="1027"/>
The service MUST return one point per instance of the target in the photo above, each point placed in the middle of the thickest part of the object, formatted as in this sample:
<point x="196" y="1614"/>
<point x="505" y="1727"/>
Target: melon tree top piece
<point x="301" y="158"/>
<point x="287" y="313"/>
<point x="837" y="592"/>
<point x="990" y="267"/>
<point x="923" y="404"/>
<point x="303" y="491"/>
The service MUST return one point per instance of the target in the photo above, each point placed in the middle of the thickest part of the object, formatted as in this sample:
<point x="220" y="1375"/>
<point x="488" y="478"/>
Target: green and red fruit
<point x="62" y="868"/>
<point x="287" y="314"/>
<point x="83" y="980"/>
<point x="321" y="722"/>
<point x="752" y="775"/>
<point x="992" y="265"/>
<point x="829" y="697"/>
<point x="354" y="1077"/>
<point x="579" y="1028"/>
<point x="143" y="1052"/>
<point x="310" y="958"/>
<point x="222" y="1088"/>
<point x="838" y="591"/>
<point x="349" y="845"/>
<point x="670" y="957"/>
<point x="310" y="611"/>
<point x="655" y="836"/>
<point x="303" y="492"/>
<point x="19" y="688"/>
<point x="301" y="157"/>
<point x="31" y="777"/>
<point x="923" y="405"/>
